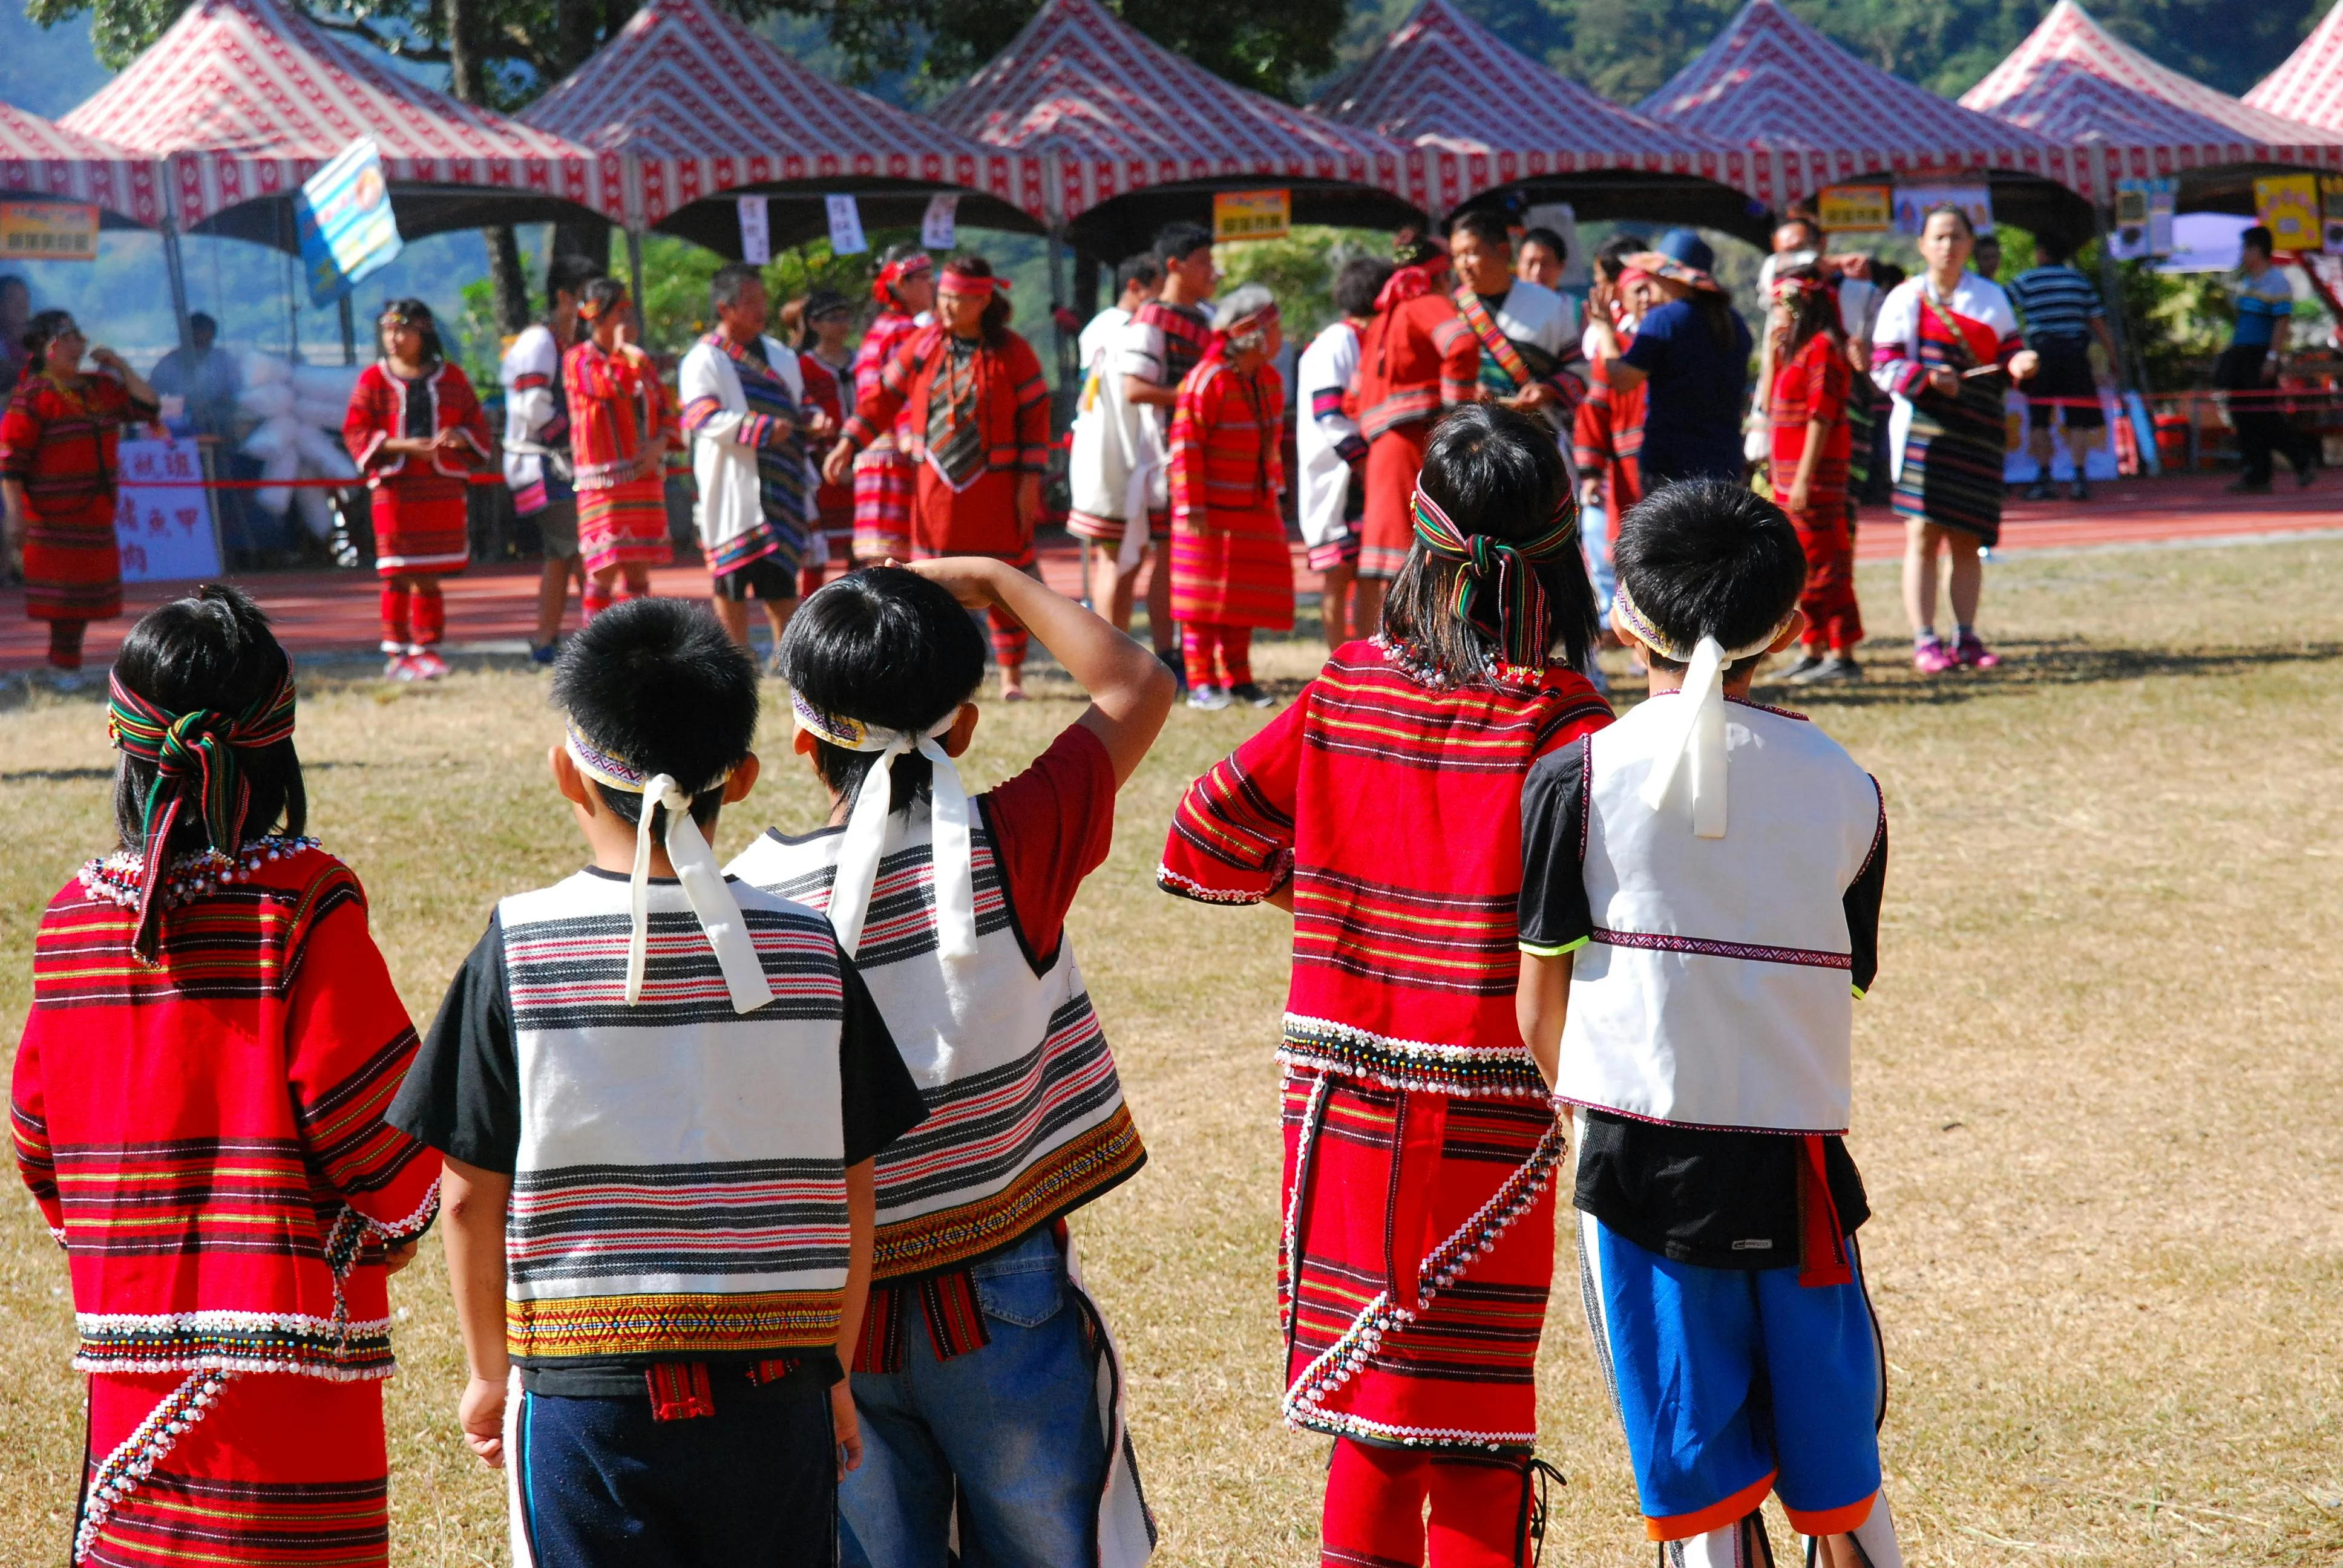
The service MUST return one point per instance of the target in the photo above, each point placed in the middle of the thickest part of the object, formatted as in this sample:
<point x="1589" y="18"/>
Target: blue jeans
<point x="1015" y="1423"/>
<point x="1594" y="542"/>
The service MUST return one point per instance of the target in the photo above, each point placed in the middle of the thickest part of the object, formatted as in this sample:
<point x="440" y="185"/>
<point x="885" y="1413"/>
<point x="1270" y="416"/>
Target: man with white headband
<point x="1700" y="904"/>
<point x="978" y="1377"/>
<point x="659" y="1094"/>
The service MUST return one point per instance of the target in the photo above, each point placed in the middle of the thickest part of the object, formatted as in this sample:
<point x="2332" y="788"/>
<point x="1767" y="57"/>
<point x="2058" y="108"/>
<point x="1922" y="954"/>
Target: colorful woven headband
<point x="1789" y="287"/>
<point x="588" y="310"/>
<point x="1498" y="590"/>
<point x="392" y="317"/>
<point x="882" y="287"/>
<point x="1697" y="717"/>
<point x="973" y="283"/>
<point x="193" y="754"/>
<point x="1632" y="618"/>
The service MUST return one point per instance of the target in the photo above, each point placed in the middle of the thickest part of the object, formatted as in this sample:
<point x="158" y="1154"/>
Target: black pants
<point x="2261" y="428"/>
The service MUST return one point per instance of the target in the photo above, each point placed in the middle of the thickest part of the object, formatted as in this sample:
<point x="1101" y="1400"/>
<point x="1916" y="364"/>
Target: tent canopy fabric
<point x="41" y="158"/>
<point x="245" y="99"/>
<point x="1811" y="114"/>
<point x="2308" y="88"/>
<point x="1111" y="113"/>
<point x="704" y="107"/>
<point x="2125" y="116"/>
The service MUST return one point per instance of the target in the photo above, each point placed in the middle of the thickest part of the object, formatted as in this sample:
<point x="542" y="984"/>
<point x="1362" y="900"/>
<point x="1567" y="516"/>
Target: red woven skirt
<point x="72" y="563"/>
<point x="421" y="528"/>
<point x="884" y="483"/>
<point x="1416" y="1260"/>
<point x="1110" y="530"/>
<point x="1235" y="570"/>
<point x="1826" y="533"/>
<point x="980" y="520"/>
<point x="276" y="1468"/>
<point x="624" y="525"/>
<point x="1387" y="528"/>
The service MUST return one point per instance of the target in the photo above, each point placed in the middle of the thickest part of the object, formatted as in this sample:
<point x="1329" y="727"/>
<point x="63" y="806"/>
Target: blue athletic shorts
<point x="1731" y="1384"/>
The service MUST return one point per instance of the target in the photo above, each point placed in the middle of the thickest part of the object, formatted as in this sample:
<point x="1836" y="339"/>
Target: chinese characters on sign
<point x="163" y="518"/>
<point x="1252" y="215"/>
<point x="48" y="231"/>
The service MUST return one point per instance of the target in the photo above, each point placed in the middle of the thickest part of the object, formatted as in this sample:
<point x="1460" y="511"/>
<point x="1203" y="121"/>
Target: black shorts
<point x="2065" y="372"/>
<point x="768" y="577"/>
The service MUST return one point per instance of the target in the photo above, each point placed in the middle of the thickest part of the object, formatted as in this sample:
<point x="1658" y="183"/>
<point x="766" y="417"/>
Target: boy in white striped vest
<point x="1687" y="981"/>
<point x="984" y="1374"/>
<point x="659" y="1094"/>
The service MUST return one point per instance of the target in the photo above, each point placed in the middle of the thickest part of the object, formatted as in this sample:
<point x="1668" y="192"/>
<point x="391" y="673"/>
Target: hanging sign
<point x="940" y="224"/>
<point x="756" y="231"/>
<point x="1857" y="209"/>
<point x="2288" y="205"/>
<point x="2143" y="218"/>
<point x="2330" y="208"/>
<point x="1912" y="202"/>
<point x="1252" y="215"/>
<point x="347" y="230"/>
<point x="48" y="231"/>
<point x="162" y="516"/>
<point x="845" y="226"/>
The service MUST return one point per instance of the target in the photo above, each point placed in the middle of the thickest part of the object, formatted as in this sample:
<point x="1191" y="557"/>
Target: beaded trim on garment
<point x="191" y="876"/>
<point x="1468" y="1073"/>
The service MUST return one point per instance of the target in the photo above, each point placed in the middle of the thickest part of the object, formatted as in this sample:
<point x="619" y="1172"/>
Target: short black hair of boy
<point x="1498" y="472"/>
<point x="570" y="273"/>
<point x="1706" y="558"/>
<point x="1550" y="239"/>
<point x="2258" y="237"/>
<point x="1146" y="269"/>
<point x="210" y="649"/>
<point x="657" y="684"/>
<point x="1359" y="283"/>
<point x="1179" y="241"/>
<point x="889" y="647"/>
<point x="1486" y="224"/>
<point x="1611" y="255"/>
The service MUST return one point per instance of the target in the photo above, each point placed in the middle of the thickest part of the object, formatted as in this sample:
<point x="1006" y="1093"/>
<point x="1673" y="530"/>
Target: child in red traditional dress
<point x="416" y="430"/>
<point x="57" y="446"/>
<point x="823" y="321"/>
<point x="965" y="396"/>
<point x="1383" y="810"/>
<point x="622" y="420"/>
<point x="1812" y="442"/>
<point x="197" y="1108"/>
<point x="886" y="475"/>
<point x="1231" y="571"/>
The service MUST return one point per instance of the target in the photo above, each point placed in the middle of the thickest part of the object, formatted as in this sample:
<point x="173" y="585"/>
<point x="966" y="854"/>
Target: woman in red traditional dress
<point x="1806" y="411"/>
<point x="824" y="319"/>
<point x="1230" y="569"/>
<point x="976" y="418"/>
<point x="415" y="429"/>
<point x="197" y="1105"/>
<point x="57" y="445"/>
<point x="1421" y="1149"/>
<point x="622" y="420"/>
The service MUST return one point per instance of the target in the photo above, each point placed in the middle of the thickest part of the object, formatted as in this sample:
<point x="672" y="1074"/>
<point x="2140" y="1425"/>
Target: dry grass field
<point x="2100" y="1090"/>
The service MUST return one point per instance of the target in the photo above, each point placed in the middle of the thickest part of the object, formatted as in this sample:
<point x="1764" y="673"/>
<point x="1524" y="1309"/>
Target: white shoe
<point x="1207" y="698"/>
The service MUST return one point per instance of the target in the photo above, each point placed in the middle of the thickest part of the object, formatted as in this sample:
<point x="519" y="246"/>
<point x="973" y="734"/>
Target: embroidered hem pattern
<point x="680" y="1327"/>
<point x="1071" y="1176"/>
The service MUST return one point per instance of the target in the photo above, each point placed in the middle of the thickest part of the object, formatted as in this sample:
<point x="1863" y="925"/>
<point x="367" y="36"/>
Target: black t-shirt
<point x="1723" y="1200"/>
<point x="462" y="1097"/>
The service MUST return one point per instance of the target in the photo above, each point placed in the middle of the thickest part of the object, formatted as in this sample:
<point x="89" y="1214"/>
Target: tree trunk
<point x="511" y="288"/>
<point x="578" y="26"/>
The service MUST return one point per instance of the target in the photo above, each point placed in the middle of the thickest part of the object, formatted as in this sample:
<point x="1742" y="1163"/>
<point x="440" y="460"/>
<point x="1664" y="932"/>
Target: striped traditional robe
<point x="1229" y="566"/>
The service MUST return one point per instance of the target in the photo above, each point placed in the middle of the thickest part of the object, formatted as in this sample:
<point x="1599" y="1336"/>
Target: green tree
<point x="1300" y="270"/>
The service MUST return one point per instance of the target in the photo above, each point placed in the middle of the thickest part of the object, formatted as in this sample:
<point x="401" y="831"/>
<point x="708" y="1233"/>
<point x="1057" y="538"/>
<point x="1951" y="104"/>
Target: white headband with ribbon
<point x="695" y="867"/>
<point x="866" y="829"/>
<point x="1698" y="720"/>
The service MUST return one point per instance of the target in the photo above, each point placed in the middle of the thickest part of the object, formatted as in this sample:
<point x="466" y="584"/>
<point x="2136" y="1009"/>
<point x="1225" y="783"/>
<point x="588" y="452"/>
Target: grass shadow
<point x="2047" y="663"/>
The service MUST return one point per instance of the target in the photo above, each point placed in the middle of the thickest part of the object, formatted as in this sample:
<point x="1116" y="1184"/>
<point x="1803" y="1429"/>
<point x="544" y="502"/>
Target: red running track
<point x="491" y="609"/>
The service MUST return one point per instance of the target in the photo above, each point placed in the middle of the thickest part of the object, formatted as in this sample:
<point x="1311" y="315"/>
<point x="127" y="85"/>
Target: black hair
<point x="603" y="294"/>
<point x="1611" y="255"/>
<point x="210" y="649"/>
<point x="1812" y="312"/>
<point x="1887" y="274"/>
<point x="10" y="280"/>
<point x="418" y="315"/>
<point x="887" y="647"/>
<point x="42" y="330"/>
<point x="1969" y="225"/>
<point x="1486" y="224"/>
<point x="1498" y="472"/>
<point x="731" y="281"/>
<point x="1801" y="220"/>
<point x="2261" y="238"/>
<point x="1705" y="557"/>
<point x="202" y="319"/>
<point x="2053" y="249"/>
<point x="1549" y="238"/>
<point x="1145" y="269"/>
<point x="657" y="684"/>
<point x="570" y="273"/>
<point x="992" y="326"/>
<point x="1360" y="281"/>
<point x="1179" y="241"/>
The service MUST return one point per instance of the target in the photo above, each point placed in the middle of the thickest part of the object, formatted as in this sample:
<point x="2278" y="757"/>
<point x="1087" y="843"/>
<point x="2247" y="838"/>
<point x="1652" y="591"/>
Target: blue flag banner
<point x="347" y="230"/>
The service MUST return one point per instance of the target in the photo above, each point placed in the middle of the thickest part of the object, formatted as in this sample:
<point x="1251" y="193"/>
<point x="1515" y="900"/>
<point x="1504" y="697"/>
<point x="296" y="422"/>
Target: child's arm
<point x="862" y="1226"/>
<point x="1541" y="1002"/>
<point x="472" y="1229"/>
<point x="1131" y="691"/>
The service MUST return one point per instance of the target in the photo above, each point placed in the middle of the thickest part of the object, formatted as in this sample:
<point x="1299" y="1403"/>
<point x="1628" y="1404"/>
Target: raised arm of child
<point x="472" y="1229"/>
<point x="1541" y="1002"/>
<point x="1131" y="691"/>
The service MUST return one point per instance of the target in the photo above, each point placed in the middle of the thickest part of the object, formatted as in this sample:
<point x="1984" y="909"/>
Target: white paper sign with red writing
<point x="163" y="518"/>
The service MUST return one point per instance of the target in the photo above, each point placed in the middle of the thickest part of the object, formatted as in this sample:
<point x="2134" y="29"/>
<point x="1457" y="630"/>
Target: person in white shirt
<point x="1529" y="335"/>
<point x="1105" y="451"/>
<point x="1331" y="450"/>
<point x="537" y="442"/>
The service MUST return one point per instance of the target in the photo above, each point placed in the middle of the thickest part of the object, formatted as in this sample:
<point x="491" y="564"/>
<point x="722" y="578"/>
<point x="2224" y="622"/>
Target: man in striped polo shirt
<point x="2249" y="366"/>
<point x="2063" y="314"/>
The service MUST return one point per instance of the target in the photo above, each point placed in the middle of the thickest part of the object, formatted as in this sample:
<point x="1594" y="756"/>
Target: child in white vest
<point x="985" y="1381"/>
<point x="1700" y="904"/>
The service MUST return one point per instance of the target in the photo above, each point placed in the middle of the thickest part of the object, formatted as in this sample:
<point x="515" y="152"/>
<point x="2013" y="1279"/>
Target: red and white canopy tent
<point x="1811" y="114"/>
<point x="2122" y="115"/>
<point x="1444" y="83"/>
<point x="2308" y="88"/>
<point x="41" y="160"/>
<point x="1131" y="135"/>
<point x="701" y="109"/>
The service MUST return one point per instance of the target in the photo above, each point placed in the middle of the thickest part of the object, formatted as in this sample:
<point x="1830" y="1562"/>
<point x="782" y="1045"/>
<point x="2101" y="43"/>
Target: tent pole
<point x="1058" y="304"/>
<point x="635" y="276"/>
<point x="175" y="265"/>
<point x="349" y="330"/>
<point x="2129" y="373"/>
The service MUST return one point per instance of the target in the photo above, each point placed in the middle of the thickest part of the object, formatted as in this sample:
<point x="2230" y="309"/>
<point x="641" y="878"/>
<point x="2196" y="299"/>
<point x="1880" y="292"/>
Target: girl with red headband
<point x="415" y="429"/>
<point x="1806" y="412"/>
<point x="1384" y="810"/>
<point x="886" y="475"/>
<point x="622" y="420"/>
<point x="968" y="396"/>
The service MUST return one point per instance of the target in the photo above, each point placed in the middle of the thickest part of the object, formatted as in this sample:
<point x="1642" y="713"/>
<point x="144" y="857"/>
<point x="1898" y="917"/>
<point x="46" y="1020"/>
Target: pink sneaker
<point x="426" y="665"/>
<point x="1932" y="658"/>
<point x="1973" y="653"/>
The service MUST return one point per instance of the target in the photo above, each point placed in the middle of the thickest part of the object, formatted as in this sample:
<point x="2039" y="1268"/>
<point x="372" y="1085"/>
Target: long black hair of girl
<point x="993" y="328"/>
<point x="1814" y="309"/>
<point x="1504" y="520"/>
<point x="40" y="332"/>
<point x="416" y="314"/>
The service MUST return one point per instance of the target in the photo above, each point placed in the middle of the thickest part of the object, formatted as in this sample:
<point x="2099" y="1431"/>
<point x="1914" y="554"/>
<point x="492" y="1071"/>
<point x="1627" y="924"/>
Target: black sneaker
<point x="2080" y="491"/>
<point x="1177" y="665"/>
<point x="1806" y="662"/>
<point x="2040" y="490"/>
<point x="1252" y="695"/>
<point x="1838" y="666"/>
